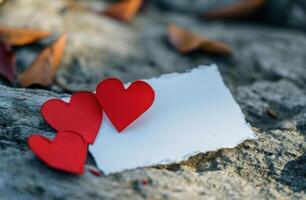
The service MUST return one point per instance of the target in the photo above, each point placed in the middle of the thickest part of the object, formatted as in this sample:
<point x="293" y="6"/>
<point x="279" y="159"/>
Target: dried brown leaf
<point x="125" y="10"/>
<point x="271" y="113"/>
<point x="216" y="47"/>
<point x="2" y="2"/>
<point x="75" y="5"/>
<point x="239" y="9"/>
<point x="185" y="42"/>
<point x="43" y="69"/>
<point x="7" y="62"/>
<point x="18" y="36"/>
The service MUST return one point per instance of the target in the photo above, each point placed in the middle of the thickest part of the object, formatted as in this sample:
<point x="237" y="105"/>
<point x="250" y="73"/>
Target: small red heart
<point x="66" y="152"/>
<point x="124" y="106"/>
<point x="82" y="115"/>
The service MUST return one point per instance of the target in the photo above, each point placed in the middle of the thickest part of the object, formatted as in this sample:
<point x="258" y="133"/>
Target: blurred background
<point x="101" y="44"/>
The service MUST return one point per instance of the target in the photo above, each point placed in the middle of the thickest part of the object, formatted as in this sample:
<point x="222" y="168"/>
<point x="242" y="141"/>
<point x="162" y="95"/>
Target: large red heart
<point x="124" y="106"/>
<point x="82" y="115"/>
<point x="66" y="152"/>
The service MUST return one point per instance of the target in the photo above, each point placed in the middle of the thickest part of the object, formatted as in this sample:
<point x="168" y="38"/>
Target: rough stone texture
<point x="267" y="71"/>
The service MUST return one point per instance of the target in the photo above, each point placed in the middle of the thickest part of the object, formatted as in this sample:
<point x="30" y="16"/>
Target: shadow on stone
<point x="294" y="174"/>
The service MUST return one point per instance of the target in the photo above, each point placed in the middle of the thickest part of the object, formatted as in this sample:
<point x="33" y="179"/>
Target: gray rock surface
<point x="267" y="72"/>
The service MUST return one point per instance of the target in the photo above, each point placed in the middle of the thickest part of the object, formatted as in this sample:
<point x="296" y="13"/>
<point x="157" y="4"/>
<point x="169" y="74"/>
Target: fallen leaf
<point x="74" y="5"/>
<point x="2" y="2"/>
<point x="183" y="40"/>
<point x="125" y="10"/>
<point x="271" y="114"/>
<point x="18" y="36"/>
<point x="186" y="42"/>
<point x="7" y="62"/>
<point x="44" y="67"/>
<point x="238" y="9"/>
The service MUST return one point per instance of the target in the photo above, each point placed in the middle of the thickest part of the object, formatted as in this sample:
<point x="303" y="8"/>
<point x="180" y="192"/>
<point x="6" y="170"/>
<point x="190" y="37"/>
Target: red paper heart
<point x="82" y="115"/>
<point x="66" y="152"/>
<point x="123" y="106"/>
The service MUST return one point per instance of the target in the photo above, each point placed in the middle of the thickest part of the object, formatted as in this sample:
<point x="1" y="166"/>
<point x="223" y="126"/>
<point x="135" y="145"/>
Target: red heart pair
<point x="78" y="122"/>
